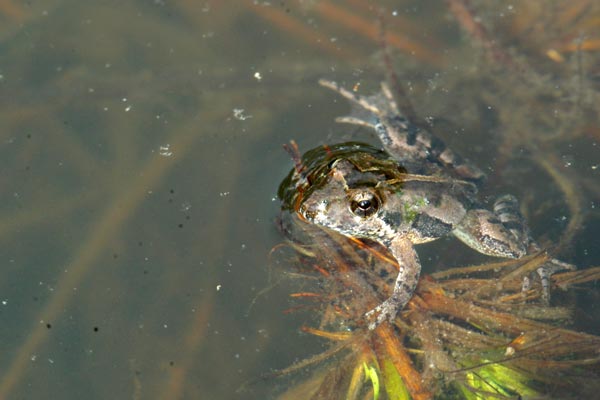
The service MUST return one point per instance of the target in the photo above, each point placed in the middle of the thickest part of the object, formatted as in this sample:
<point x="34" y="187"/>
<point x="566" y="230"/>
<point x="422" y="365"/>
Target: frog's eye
<point x="364" y="203"/>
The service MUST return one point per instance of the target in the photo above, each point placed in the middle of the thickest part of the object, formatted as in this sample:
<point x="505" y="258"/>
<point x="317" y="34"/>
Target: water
<point x="141" y="155"/>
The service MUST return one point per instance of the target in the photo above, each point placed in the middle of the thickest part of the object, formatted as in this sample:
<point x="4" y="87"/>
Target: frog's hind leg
<point x="507" y="209"/>
<point x="494" y="234"/>
<point x="401" y="138"/>
<point x="501" y="233"/>
<point x="504" y="233"/>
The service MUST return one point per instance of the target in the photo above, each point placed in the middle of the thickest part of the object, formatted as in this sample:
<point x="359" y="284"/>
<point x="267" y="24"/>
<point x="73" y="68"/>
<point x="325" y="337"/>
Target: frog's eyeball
<point x="364" y="203"/>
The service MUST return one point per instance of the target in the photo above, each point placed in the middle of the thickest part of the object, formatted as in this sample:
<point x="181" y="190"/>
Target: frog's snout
<point x="311" y="209"/>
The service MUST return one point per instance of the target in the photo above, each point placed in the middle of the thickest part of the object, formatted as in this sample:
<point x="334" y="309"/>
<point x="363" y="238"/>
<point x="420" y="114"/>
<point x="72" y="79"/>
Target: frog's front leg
<point x="405" y="285"/>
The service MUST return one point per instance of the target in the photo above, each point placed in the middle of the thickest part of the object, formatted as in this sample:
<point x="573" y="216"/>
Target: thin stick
<point x="398" y="92"/>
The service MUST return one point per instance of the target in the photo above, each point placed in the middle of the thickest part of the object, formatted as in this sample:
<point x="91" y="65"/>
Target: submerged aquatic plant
<point x="468" y="333"/>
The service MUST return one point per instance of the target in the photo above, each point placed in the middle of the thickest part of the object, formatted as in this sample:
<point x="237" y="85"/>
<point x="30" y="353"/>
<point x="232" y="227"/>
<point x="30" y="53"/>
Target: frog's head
<point x="352" y="202"/>
<point x="344" y="188"/>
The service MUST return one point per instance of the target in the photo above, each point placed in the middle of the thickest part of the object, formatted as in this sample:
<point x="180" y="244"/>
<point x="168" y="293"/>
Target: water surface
<point x="141" y="154"/>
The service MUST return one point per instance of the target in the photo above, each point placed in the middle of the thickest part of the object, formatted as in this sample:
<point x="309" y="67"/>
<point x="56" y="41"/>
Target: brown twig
<point x="366" y="28"/>
<point x="400" y="96"/>
<point x="292" y="150"/>
<point x="461" y="10"/>
<point x="388" y="347"/>
<point x="192" y="342"/>
<point x="287" y="23"/>
<point x="101" y="233"/>
<point x="571" y="192"/>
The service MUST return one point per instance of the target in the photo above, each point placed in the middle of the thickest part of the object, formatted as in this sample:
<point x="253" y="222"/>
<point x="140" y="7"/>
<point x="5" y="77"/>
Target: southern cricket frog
<point x="414" y="191"/>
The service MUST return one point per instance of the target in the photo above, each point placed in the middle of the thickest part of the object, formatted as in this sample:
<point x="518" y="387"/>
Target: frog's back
<point x="427" y="210"/>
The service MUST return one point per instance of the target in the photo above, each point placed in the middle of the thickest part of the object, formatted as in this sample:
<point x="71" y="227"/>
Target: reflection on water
<point x="141" y="153"/>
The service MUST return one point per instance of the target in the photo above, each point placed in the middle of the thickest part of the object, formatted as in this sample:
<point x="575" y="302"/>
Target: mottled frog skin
<point x="414" y="191"/>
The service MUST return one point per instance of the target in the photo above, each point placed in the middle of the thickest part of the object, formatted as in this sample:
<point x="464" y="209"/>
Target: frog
<point x="415" y="190"/>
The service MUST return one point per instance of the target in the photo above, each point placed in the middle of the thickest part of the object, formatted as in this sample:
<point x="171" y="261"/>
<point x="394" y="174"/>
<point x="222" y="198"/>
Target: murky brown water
<point x="141" y="154"/>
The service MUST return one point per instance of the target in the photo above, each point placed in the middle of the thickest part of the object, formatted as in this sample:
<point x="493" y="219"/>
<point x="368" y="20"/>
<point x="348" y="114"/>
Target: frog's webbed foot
<point x="409" y="269"/>
<point x="378" y="112"/>
<point x="504" y="233"/>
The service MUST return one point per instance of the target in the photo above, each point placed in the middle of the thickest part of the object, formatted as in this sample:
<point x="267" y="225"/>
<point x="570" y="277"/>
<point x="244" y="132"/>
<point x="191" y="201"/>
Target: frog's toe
<point x="555" y="265"/>
<point x="545" y="272"/>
